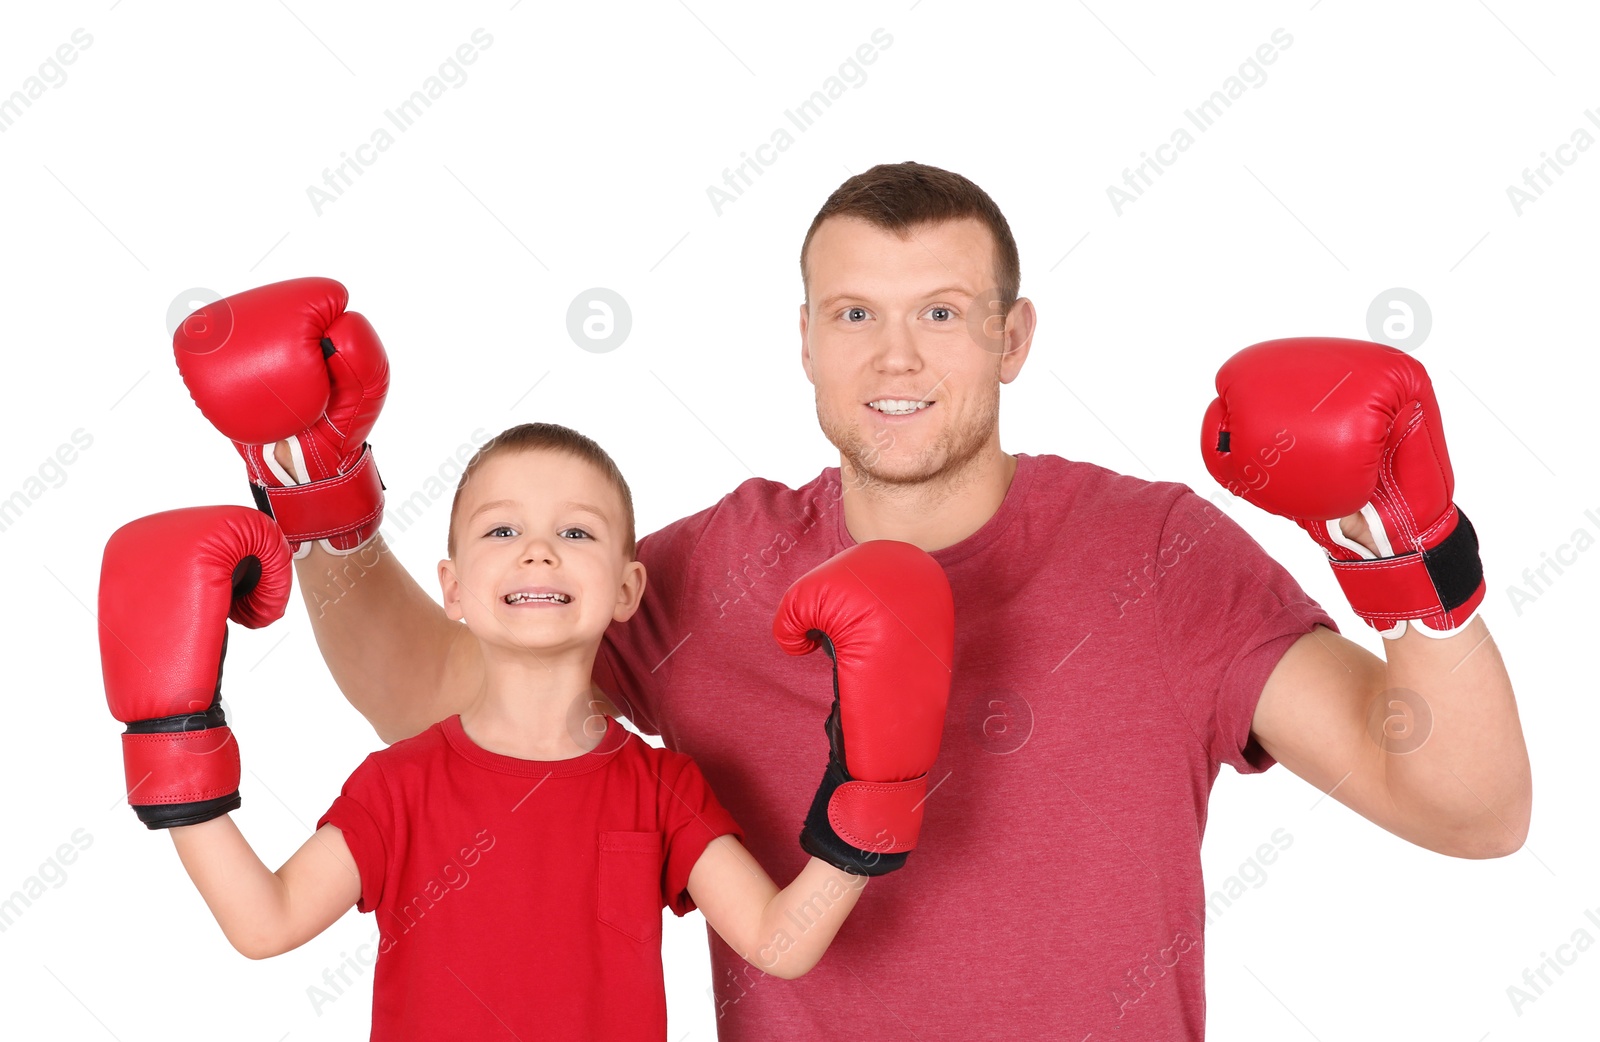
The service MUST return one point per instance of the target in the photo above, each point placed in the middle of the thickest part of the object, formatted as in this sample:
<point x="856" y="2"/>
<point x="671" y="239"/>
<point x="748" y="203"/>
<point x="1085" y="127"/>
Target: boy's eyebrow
<point x="585" y="508"/>
<point x="581" y="507"/>
<point x="495" y="504"/>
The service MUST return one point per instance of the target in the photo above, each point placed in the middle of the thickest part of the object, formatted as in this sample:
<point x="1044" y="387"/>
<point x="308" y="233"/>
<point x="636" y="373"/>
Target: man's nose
<point x="897" y="348"/>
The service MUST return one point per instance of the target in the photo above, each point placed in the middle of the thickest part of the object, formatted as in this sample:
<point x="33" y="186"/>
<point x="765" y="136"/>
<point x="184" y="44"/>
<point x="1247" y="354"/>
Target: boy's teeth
<point x="897" y="407"/>
<point x="518" y="598"/>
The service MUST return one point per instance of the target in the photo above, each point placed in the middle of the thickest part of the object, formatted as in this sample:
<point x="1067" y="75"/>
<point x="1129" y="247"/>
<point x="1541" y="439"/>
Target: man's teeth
<point x="897" y="407"/>
<point x="518" y="598"/>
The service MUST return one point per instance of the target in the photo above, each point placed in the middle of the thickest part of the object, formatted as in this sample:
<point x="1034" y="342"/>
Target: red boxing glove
<point x="168" y="585"/>
<point x="287" y="362"/>
<point x="884" y="613"/>
<point x="1315" y="429"/>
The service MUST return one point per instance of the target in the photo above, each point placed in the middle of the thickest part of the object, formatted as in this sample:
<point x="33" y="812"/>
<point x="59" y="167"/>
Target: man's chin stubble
<point x="944" y="467"/>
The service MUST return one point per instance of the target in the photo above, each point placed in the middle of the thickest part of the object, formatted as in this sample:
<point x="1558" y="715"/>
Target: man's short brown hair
<point x="530" y="437"/>
<point x="899" y="196"/>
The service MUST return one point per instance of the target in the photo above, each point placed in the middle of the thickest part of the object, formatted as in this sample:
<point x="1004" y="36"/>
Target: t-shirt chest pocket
<point x="630" y="884"/>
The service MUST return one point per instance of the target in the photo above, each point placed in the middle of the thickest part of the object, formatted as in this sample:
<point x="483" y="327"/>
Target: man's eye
<point x="855" y="314"/>
<point x="940" y="314"/>
<point x="580" y="531"/>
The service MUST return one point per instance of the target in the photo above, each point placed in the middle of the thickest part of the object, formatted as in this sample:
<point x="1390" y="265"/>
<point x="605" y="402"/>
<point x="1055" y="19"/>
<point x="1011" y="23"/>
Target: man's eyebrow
<point x="836" y="300"/>
<point x="829" y="303"/>
<point x="946" y="291"/>
<point x="580" y="507"/>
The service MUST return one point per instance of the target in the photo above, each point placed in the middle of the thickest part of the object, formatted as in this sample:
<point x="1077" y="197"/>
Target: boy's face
<point x="543" y="523"/>
<point x="910" y="319"/>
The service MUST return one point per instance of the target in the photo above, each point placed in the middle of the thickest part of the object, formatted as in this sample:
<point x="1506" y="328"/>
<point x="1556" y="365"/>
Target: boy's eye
<point x="507" y="528"/>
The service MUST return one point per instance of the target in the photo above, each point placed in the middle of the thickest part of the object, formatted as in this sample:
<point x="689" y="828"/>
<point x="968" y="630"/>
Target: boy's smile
<point x="539" y="560"/>
<point x="537" y="596"/>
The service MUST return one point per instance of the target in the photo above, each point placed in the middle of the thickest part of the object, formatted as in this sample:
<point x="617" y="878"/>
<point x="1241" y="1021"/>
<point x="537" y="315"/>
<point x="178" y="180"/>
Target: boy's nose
<point x="539" y="550"/>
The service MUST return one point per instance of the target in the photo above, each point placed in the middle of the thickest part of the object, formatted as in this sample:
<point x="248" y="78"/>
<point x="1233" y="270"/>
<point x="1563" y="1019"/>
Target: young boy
<point x="516" y="856"/>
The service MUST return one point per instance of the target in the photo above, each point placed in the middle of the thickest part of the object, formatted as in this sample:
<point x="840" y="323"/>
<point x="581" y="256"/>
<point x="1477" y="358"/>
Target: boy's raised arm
<point x="169" y="584"/>
<point x="261" y="912"/>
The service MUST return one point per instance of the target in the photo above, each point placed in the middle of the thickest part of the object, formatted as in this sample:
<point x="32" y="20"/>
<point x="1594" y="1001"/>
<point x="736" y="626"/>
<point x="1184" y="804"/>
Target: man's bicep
<point x="445" y="680"/>
<point x="397" y="658"/>
<point x="1316" y="716"/>
<point x="442" y="693"/>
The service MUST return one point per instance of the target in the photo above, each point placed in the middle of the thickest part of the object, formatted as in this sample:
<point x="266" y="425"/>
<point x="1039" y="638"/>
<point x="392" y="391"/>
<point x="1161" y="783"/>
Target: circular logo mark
<point x="199" y="320"/>
<point x="587" y="719"/>
<point x="1000" y="722"/>
<point x="599" y="320"/>
<point x="986" y="321"/>
<point x="198" y="718"/>
<point x="1400" y="318"/>
<point x="1400" y="720"/>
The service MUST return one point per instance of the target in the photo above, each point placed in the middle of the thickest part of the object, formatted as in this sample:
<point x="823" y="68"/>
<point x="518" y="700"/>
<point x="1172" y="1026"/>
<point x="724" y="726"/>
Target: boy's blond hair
<point x="552" y="437"/>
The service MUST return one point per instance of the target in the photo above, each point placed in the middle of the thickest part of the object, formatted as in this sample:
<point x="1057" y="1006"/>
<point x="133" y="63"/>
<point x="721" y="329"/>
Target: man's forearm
<point x="1456" y="764"/>
<point x="389" y="646"/>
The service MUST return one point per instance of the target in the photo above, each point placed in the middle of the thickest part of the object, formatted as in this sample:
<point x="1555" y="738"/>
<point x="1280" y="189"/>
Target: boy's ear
<point x="631" y="592"/>
<point x="450" y="588"/>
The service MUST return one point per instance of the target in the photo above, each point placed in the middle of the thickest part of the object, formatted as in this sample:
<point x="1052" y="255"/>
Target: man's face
<point x="547" y="524"/>
<point x="908" y="324"/>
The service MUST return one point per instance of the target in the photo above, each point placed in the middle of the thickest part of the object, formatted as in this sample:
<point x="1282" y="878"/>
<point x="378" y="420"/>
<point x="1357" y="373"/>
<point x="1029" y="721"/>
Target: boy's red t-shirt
<point x="1113" y="636"/>
<point x="523" y="895"/>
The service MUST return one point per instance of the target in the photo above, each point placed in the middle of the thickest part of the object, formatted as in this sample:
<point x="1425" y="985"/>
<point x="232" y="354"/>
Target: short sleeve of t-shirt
<point x="1226" y="613"/>
<point x="631" y="666"/>
<point x="691" y="817"/>
<point x="364" y="813"/>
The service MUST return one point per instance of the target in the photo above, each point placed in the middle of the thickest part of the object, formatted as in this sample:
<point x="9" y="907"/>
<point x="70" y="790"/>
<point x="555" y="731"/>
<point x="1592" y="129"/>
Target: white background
<point x="577" y="153"/>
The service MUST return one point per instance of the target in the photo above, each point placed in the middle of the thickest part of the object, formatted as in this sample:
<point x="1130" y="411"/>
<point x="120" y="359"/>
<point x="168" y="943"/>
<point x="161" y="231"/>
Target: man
<point x="1117" y="641"/>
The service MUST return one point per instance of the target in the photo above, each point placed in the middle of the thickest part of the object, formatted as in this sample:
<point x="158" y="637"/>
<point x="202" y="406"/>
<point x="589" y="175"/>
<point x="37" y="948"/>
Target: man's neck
<point x="933" y="515"/>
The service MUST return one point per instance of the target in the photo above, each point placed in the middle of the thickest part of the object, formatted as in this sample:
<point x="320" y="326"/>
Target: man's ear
<point x="1021" y="321"/>
<point x="450" y="588"/>
<point x="805" y="345"/>
<point x="631" y="592"/>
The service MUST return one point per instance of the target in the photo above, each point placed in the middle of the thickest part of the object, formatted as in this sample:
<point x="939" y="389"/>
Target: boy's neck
<point x="535" y="708"/>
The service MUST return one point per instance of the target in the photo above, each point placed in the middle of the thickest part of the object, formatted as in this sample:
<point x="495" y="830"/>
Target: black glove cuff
<point x="171" y="815"/>
<point x="819" y="840"/>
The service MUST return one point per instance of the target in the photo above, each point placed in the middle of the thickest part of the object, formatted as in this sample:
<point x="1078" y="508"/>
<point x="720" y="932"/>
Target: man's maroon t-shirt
<point x="522" y="898"/>
<point x="1112" y="640"/>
